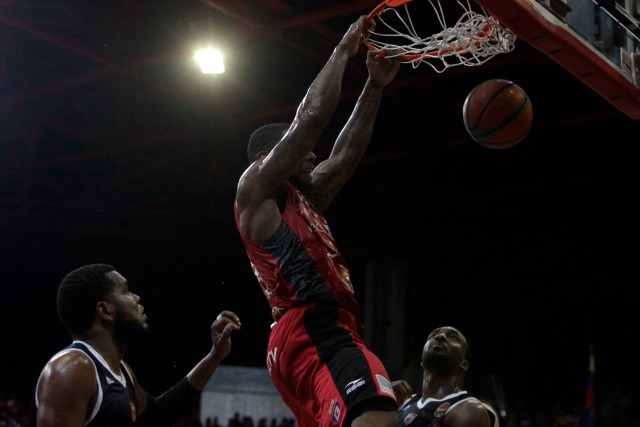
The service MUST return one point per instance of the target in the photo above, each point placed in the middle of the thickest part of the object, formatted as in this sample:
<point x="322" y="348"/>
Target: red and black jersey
<point x="301" y="262"/>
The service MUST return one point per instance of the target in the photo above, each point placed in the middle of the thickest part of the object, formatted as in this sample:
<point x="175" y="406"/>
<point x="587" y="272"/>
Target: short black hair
<point x="78" y="294"/>
<point x="265" y="138"/>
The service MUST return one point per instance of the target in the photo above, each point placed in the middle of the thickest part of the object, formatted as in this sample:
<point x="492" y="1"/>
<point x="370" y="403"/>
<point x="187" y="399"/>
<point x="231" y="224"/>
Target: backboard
<point x="598" y="41"/>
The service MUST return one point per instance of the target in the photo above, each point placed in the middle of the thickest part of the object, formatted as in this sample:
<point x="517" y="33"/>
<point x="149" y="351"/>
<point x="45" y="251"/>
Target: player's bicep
<point x="286" y="156"/>
<point x="327" y="180"/>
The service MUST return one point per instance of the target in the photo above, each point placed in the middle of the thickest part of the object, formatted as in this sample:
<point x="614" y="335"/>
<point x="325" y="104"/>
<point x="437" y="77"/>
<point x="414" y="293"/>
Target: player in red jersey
<point x="316" y="356"/>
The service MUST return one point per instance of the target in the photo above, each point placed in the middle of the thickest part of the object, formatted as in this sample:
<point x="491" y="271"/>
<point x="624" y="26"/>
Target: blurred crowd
<point x="13" y="411"/>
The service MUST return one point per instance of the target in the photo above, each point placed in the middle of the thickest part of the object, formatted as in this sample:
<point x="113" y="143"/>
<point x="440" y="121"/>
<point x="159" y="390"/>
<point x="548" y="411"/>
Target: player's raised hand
<point x="383" y="66"/>
<point x="354" y="36"/>
<point x="402" y="390"/>
<point x="225" y="324"/>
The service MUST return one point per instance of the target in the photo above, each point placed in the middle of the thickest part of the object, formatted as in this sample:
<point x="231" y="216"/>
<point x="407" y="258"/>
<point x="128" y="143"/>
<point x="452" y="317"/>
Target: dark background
<point x="114" y="148"/>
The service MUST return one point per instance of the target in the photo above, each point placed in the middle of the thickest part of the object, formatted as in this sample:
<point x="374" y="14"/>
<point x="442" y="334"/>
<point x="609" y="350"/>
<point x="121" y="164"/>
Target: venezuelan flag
<point x="590" y="401"/>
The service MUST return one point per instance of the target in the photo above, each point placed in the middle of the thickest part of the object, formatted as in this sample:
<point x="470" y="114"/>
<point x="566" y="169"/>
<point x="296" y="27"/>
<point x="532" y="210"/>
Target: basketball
<point x="497" y="114"/>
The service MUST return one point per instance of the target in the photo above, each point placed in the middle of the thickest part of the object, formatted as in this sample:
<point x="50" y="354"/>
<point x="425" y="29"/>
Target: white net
<point x="472" y="40"/>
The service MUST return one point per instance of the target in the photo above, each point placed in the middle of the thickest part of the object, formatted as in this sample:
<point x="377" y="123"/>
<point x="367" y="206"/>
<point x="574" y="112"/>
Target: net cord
<point x="474" y="39"/>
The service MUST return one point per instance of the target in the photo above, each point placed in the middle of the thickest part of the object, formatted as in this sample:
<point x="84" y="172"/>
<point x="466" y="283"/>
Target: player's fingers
<point x="228" y="330"/>
<point x="230" y="315"/>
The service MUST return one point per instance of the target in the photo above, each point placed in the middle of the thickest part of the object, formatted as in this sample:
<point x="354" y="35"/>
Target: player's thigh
<point x="376" y="419"/>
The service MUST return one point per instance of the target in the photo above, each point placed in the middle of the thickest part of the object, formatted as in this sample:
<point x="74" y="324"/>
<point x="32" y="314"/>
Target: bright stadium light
<point x="210" y="61"/>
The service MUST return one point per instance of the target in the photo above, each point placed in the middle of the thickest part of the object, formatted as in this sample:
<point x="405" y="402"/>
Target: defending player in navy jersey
<point x="442" y="403"/>
<point x="88" y="383"/>
<point x="316" y="356"/>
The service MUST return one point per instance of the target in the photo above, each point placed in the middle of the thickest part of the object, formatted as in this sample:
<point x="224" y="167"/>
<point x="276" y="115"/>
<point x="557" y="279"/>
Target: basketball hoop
<point x="474" y="39"/>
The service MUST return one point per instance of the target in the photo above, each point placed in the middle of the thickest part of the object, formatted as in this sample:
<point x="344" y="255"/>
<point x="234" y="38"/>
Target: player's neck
<point x="437" y="387"/>
<point x="110" y="352"/>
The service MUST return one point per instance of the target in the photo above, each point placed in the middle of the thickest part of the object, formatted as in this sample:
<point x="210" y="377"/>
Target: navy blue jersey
<point x="116" y="403"/>
<point x="433" y="412"/>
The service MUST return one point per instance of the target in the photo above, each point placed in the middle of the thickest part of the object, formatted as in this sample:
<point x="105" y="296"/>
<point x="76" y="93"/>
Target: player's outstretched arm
<point x="174" y="402"/>
<point x="330" y="175"/>
<point x="225" y="324"/>
<point x="255" y="197"/>
<point x="312" y="116"/>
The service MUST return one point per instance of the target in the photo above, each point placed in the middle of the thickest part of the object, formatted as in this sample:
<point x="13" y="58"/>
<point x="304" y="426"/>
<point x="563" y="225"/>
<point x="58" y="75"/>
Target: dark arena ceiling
<point x="106" y="117"/>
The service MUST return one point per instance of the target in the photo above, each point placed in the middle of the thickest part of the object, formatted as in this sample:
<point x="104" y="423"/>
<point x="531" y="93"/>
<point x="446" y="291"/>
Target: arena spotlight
<point x="210" y="61"/>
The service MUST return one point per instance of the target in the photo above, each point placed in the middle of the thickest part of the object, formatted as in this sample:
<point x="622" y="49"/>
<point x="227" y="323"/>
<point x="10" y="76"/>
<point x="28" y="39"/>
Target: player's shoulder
<point x="248" y="177"/>
<point x="255" y="186"/>
<point x="70" y="360"/>
<point x="68" y="369"/>
<point x="470" y="412"/>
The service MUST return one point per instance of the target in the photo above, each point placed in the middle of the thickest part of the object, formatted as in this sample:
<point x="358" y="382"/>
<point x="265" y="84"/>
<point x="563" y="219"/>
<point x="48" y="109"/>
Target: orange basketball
<point x="497" y="114"/>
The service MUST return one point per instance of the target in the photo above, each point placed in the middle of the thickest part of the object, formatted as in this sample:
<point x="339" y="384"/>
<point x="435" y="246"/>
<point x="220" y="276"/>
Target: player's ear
<point x="105" y="310"/>
<point x="464" y="366"/>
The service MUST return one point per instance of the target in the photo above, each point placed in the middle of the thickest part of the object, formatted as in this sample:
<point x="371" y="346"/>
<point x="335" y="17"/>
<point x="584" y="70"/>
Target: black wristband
<point x="178" y="398"/>
<point x="170" y="405"/>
